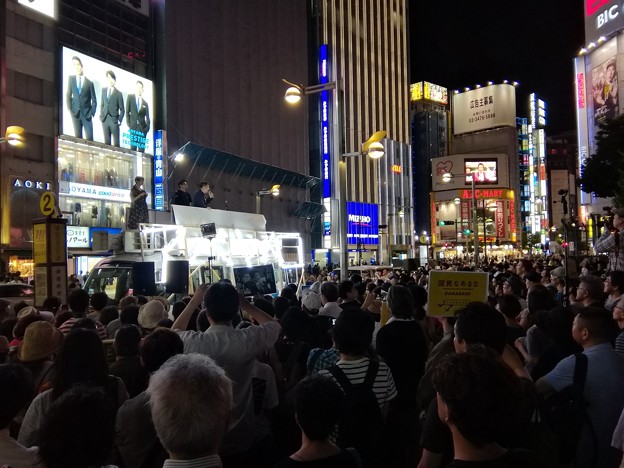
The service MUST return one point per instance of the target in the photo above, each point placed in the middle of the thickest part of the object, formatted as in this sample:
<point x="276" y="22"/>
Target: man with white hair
<point x="191" y="397"/>
<point x="235" y="350"/>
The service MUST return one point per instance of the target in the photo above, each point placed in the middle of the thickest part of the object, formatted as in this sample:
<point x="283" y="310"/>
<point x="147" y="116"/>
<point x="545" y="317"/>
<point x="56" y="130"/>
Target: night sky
<point x="459" y="43"/>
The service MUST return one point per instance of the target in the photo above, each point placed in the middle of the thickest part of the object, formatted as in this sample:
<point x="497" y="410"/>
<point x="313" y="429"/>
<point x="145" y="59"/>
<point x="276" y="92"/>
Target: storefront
<point x="95" y="182"/>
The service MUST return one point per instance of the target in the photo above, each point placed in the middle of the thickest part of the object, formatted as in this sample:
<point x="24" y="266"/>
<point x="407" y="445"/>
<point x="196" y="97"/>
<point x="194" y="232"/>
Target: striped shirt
<point x="383" y="388"/>
<point x="607" y="244"/>
<point x="67" y="326"/>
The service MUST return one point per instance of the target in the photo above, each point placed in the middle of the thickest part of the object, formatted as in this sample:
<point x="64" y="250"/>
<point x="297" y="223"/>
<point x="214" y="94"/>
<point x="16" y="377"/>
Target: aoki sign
<point x="31" y="184"/>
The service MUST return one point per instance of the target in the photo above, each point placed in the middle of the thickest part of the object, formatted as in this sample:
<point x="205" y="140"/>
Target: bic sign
<point x="608" y="15"/>
<point x="602" y="18"/>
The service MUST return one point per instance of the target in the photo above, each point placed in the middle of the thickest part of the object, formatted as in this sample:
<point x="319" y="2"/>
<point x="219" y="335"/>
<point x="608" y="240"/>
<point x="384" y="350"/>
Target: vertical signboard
<point x="582" y="116"/>
<point x="159" y="186"/>
<point x="325" y="141"/>
<point x="512" y="218"/>
<point x="500" y="219"/>
<point x="50" y="258"/>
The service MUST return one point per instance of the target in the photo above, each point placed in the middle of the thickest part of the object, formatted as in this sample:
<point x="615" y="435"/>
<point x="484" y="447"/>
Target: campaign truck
<point x="202" y="246"/>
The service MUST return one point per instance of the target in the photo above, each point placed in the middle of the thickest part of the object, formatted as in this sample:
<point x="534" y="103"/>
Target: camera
<point x="608" y="217"/>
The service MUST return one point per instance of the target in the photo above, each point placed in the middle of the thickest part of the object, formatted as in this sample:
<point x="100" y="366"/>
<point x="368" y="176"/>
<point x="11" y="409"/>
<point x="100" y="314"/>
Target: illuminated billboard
<point x="484" y="108"/>
<point x="604" y="91"/>
<point x="429" y="92"/>
<point x="603" y="18"/>
<point x="106" y="104"/>
<point x="362" y="223"/>
<point x="484" y="171"/>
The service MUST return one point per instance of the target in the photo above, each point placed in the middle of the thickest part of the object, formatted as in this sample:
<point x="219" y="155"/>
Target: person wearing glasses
<point x="613" y="287"/>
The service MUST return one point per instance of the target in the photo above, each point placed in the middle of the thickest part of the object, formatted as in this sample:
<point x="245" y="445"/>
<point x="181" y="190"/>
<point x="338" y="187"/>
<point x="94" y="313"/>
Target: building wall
<point x="499" y="140"/>
<point x="368" y="47"/>
<point x="27" y="99"/>
<point x="225" y="91"/>
<point x="225" y="64"/>
<point x="429" y="140"/>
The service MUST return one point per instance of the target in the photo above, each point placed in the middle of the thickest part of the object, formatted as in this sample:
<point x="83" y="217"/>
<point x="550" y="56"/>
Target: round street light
<point x="293" y="95"/>
<point x="275" y="190"/>
<point x="376" y="150"/>
<point x="13" y="135"/>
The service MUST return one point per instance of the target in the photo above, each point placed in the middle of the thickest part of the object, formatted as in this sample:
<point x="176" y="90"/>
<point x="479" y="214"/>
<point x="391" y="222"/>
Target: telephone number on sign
<point x="482" y="117"/>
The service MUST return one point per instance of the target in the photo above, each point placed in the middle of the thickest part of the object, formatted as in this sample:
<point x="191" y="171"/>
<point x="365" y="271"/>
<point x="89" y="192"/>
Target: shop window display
<point x="84" y="174"/>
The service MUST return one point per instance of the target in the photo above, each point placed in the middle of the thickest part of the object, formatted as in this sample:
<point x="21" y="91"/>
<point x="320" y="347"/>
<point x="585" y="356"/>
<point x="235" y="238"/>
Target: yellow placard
<point x="39" y="243"/>
<point x="449" y="291"/>
<point x="47" y="203"/>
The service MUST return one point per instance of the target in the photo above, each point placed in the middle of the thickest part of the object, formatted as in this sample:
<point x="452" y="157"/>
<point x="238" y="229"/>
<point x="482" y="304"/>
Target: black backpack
<point x="566" y="413"/>
<point x="361" y="423"/>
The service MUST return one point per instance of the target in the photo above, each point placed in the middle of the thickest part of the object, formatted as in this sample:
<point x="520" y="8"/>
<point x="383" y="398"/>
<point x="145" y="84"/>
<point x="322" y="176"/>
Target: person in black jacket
<point x="203" y="196"/>
<point x="181" y="196"/>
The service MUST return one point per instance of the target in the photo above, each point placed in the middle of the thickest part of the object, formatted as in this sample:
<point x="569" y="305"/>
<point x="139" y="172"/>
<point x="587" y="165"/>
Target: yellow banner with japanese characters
<point x="449" y="291"/>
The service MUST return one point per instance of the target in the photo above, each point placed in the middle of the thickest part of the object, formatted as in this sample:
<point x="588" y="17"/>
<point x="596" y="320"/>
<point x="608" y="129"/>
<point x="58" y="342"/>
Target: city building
<point x="429" y="117"/>
<point x="364" y="46"/>
<point x="598" y="98"/>
<point x="483" y="146"/>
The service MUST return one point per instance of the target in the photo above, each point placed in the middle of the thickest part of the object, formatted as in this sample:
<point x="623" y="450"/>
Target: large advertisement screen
<point x="362" y="223"/>
<point x="602" y="18"/>
<point x="604" y="90"/>
<point x="483" y="171"/>
<point x="484" y="108"/>
<point x="106" y="104"/>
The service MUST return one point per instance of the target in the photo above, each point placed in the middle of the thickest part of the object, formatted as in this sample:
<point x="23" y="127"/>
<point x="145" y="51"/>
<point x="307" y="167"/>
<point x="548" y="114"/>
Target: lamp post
<point x="372" y="147"/>
<point x="13" y="135"/>
<point x="446" y="178"/>
<point x="275" y="191"/>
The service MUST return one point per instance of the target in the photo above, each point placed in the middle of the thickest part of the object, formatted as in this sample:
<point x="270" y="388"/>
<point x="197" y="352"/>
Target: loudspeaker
<point x="143" y="281"/>
<point x="208" y="230"/>
<point x="177" y="276"/>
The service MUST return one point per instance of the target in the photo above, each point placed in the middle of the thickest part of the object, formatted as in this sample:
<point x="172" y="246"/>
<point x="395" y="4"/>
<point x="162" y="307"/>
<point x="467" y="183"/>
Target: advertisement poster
<point x="484" y="108"/>
<point x="605" y="91"/>
<point x="106" y="104"/>
<point x="450" y="291"/>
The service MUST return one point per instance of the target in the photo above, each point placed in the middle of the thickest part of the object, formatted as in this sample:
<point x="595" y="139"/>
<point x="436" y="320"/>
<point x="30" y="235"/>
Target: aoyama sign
<point x="484" y="108"/>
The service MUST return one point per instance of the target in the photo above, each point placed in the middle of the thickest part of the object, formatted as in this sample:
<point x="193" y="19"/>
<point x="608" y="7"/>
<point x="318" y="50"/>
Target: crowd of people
<point x="331" y="373"/>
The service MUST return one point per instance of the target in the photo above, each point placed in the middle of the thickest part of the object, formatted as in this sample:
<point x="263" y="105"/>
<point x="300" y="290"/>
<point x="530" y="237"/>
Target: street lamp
<point x="446" y="178"/>
<point x="13" y="135"/>
<point x="371" y="147"/>
<point x="275" y="191"/>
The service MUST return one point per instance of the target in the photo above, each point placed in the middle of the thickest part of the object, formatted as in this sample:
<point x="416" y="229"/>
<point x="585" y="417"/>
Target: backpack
<point x="566" y="412"/>
<point x="361" y="424"/>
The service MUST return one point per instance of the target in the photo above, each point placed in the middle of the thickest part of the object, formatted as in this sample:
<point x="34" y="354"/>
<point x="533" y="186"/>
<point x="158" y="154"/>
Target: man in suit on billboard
<point x="81" y="101"/>
<point x="111" y="110"/>
<point x="137" y="119"/>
